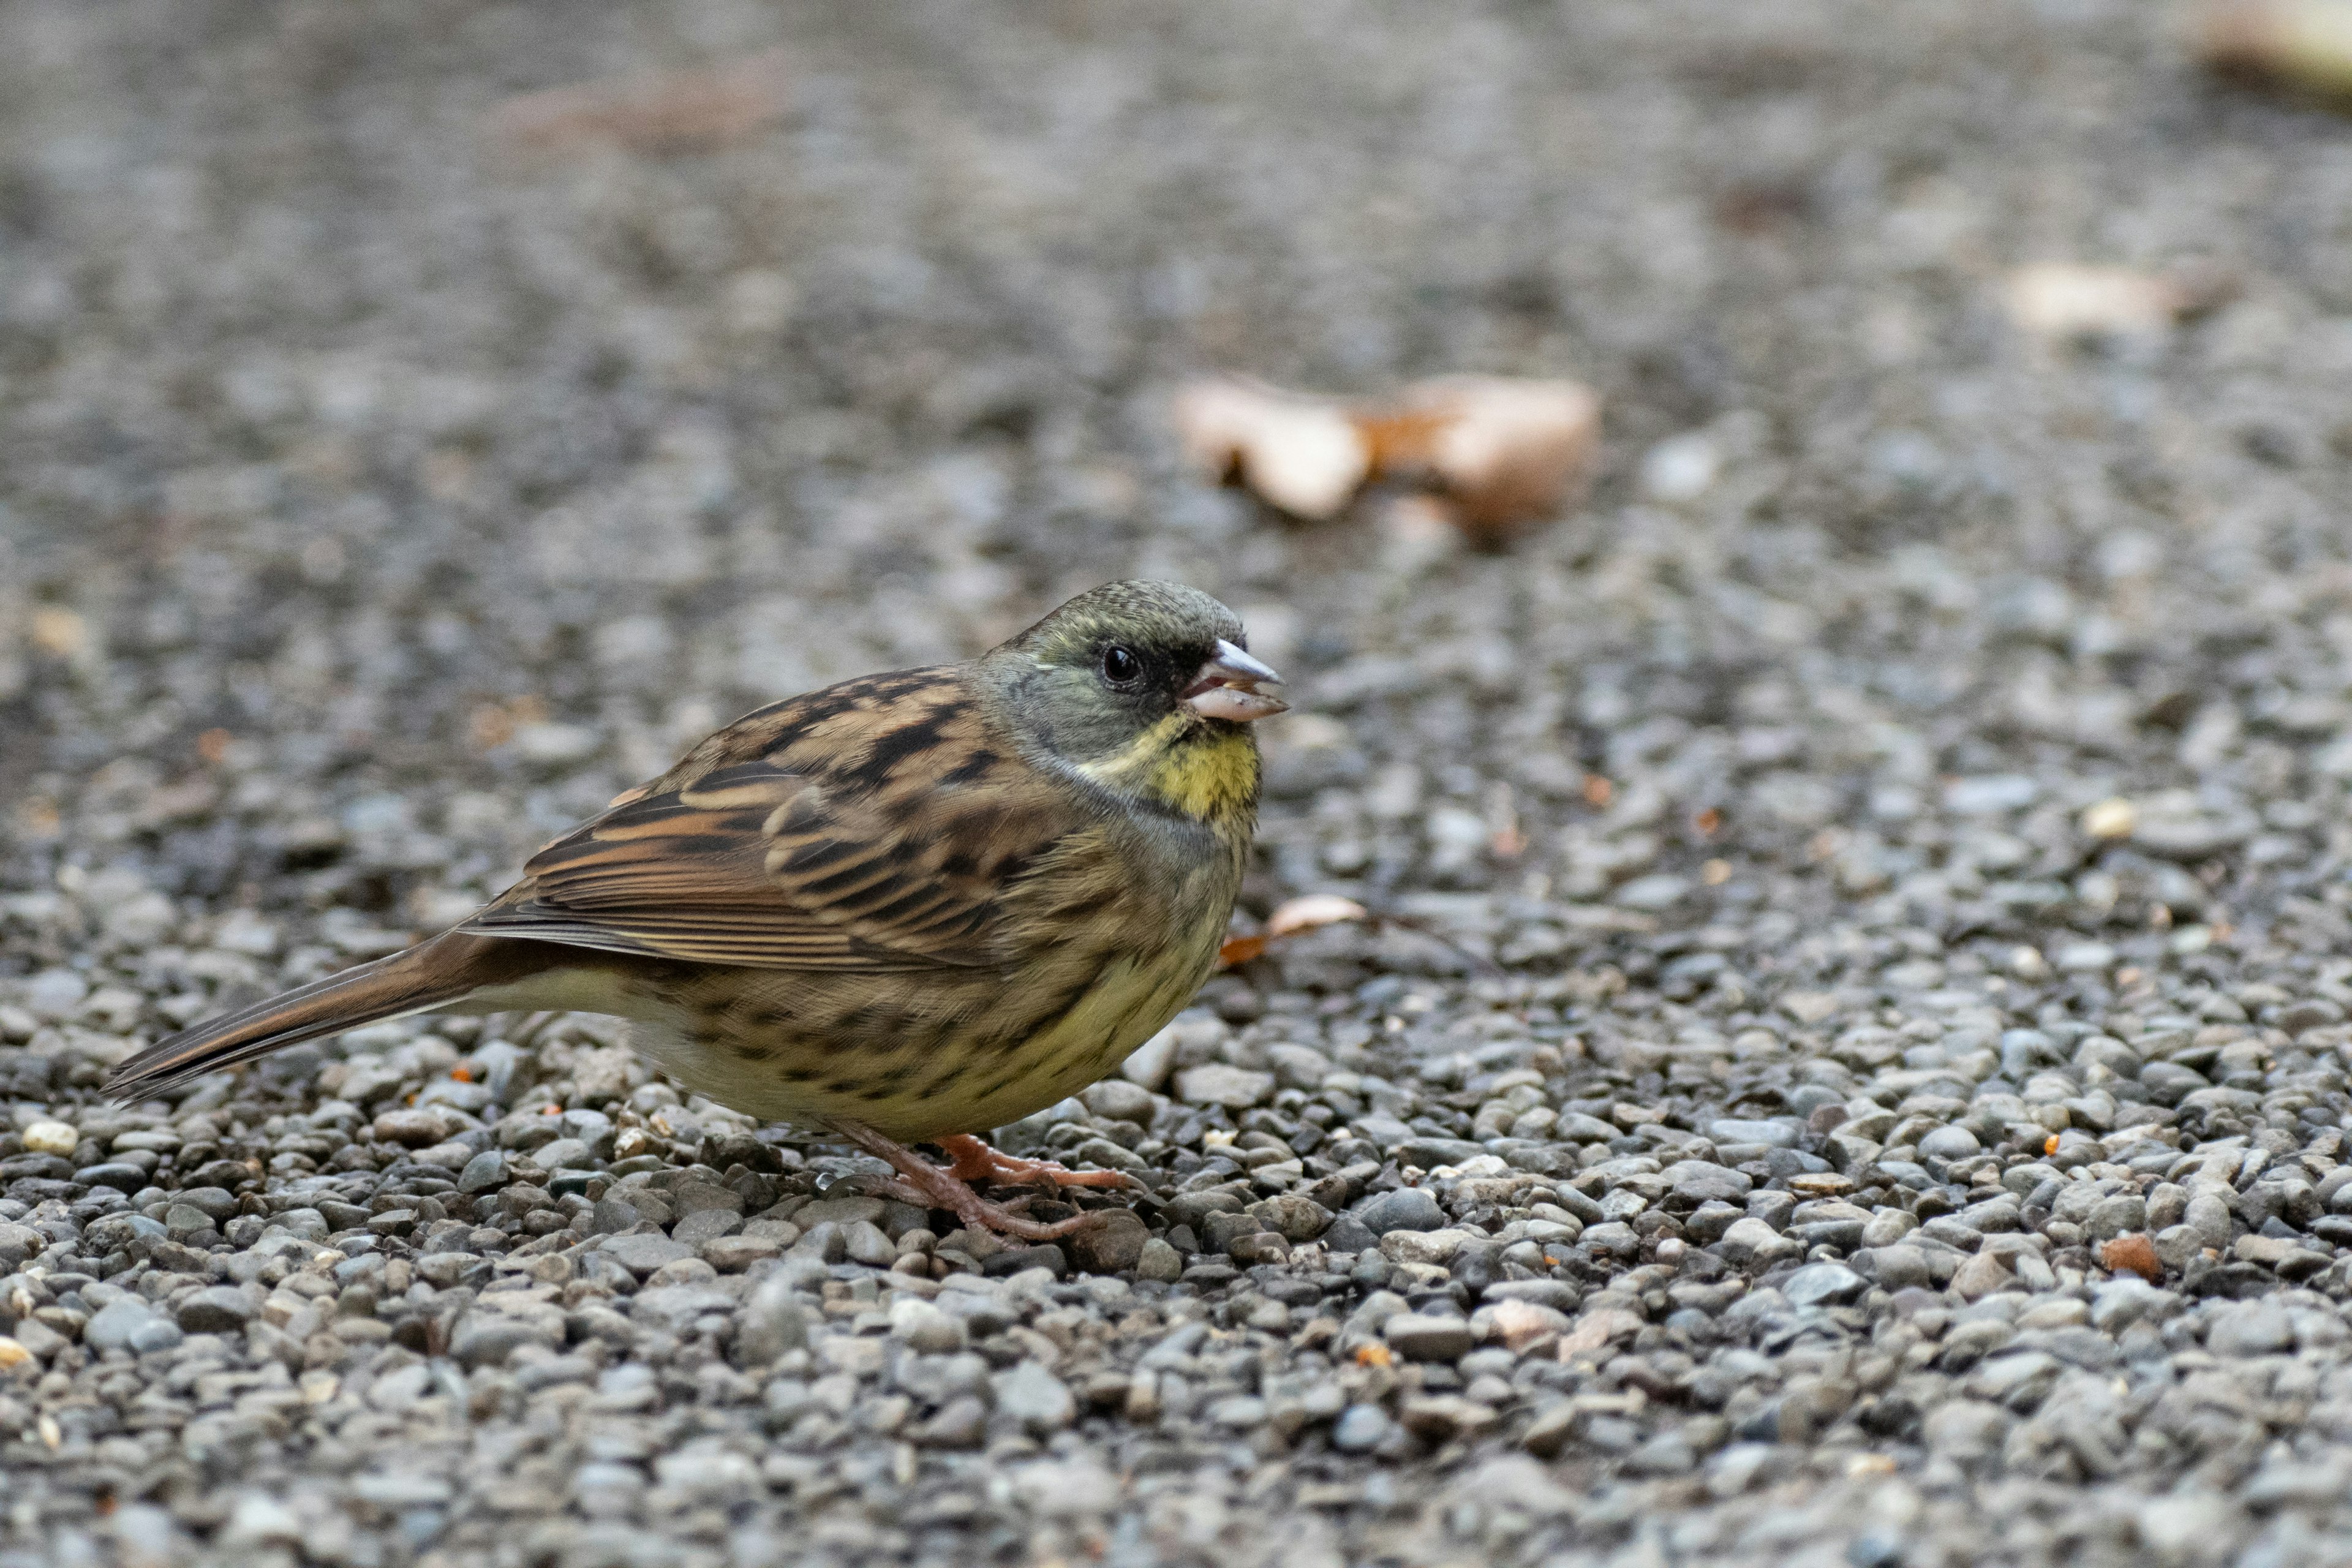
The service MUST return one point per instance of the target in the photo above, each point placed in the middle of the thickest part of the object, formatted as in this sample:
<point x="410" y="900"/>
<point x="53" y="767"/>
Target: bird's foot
<point x="974" y="1161"/>
<point x="945" y="1187"/>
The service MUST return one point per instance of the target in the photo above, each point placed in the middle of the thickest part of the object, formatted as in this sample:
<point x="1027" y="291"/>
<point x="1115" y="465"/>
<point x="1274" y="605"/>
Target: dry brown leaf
<point x="1303" y="454"/>
<point x="1500" y="452"/>
<point x="1313" y="910"/>
<point x="1239" y="950"/>
<point x="2302" y="43"/>
<point x="1290" y="919"/>
<point x="1505" y="452"/>
<point x="1595" y="1331"/>
<point x="679" y="112"/>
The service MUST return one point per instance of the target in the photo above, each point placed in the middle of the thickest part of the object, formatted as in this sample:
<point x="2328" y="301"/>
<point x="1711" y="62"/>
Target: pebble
<point x="1821" y="1284"/>
<point x="642" y="1255"/>
<point x="1034" y="1398"/>
<point x="1406" y="1209"/>
<point x="1235" y="1088"/>
<point x="222" y="1308"/>
<point x="56" y="1138"/>
<point x="1418" y="1338"/>
<point x="131" y="1324"/>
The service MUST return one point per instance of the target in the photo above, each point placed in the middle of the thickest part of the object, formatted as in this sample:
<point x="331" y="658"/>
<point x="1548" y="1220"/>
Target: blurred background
<point x="417" y="422"/>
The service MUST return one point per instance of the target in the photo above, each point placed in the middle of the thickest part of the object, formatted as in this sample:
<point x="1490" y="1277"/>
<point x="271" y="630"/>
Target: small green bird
<point x="908" y="907"/>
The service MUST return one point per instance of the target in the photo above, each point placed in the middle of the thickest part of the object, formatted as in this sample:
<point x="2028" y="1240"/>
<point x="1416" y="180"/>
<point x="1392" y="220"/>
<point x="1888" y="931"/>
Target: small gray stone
<point x="675" y="1308"/>
<point x="845" y="1211"/>
<point x="158" y="1333"/>
<point x="443" y="1269"/>
<point x="863" y="1242"/>
<point x="925" y="1328"/>
<point x="687" y="1197"/>
<point x="561" y="1154"/>
<point x="1160" y="1261"/>
<point x="1825" y="1284"/>
<point x="2177" y="1245"/>
<point x="1119" y="1101"/>
<point x="2250" y="1328"/>
<point x="1777" y="1132"/>
<point x="1034" y="1397"/>
<point x="484" y="1172"/>
<point x="1613" y="1238"/>
<point x="1949" y="1143"/>
<point x="219" y="1310"/>
<point x="1361" y="1427"/>
<point x="823" y="1243"/>
<point x="962" y="1423"/>
<point x="2208" y="1216"/>
<point x="641" y="1254"/>
<point x="1418" y="1338"/>
<point x="2114" y="1216"/>
<point x="1148" y="1065"/>
<point x="1701" y="1182"/>
<point x="1747" y="1240"/>
<point x="774" y="1320"/>
<point x="1897" y="1268"/>
<point x="118" y="1323"/>
<point x="705" y="1225"/>
<point x="217" y="1205"/>
<point x="486" y="1338"/>
<point x="1217" y="1083"/>
<point x="1407" y="1208"/>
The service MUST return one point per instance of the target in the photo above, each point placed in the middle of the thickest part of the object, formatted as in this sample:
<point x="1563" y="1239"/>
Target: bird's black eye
<point x="1119" y="667"/>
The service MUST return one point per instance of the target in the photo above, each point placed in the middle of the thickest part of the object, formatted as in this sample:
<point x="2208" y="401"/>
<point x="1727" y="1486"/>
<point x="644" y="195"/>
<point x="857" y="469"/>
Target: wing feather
<point x="847" y="830"/>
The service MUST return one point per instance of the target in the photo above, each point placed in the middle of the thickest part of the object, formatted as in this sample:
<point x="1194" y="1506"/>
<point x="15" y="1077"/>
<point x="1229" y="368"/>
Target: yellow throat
<point x="1205" y="773"/>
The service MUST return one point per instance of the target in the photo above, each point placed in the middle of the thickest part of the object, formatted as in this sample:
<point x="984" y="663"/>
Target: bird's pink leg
<point x="976" y="1162"/>
<point x="944" y="1187"/>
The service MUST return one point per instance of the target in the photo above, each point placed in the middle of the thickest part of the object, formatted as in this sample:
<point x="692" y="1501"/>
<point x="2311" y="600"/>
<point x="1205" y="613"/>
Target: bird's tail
<point x="431" y="975"/>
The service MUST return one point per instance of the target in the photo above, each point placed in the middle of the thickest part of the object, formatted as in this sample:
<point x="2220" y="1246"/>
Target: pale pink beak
<point x="1227" y="687"/>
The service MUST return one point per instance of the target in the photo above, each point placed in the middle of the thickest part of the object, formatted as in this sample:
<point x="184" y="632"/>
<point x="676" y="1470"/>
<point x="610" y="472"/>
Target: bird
<point x="905" y="909"/>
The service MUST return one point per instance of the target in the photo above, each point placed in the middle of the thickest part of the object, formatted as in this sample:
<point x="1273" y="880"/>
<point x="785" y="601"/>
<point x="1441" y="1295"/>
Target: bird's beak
<point x="1227" y="687"/>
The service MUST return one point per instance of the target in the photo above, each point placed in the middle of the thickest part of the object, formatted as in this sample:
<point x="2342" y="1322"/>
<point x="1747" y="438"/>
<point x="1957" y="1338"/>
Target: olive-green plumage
<point x="920" y="903"/>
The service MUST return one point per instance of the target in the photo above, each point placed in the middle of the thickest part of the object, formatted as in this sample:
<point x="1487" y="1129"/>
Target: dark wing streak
<point x="803" y="855"/>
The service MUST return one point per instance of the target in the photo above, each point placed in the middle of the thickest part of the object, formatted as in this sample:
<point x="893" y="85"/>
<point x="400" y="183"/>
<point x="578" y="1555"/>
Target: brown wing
<point x="875" y="824"/>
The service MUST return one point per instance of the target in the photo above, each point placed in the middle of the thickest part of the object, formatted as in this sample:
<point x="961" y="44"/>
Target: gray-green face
<point x="1115" y="663"/>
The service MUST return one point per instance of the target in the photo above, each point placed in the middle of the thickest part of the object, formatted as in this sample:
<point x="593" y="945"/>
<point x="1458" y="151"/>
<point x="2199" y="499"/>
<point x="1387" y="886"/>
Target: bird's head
<point x="1146" y="689"/>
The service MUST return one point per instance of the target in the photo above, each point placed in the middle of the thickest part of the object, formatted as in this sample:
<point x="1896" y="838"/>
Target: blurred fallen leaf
<point x="1240" y="949"/>
<point x="2301" y="43"/>
<point x="58" y="632"/>
<point x="679" y="112"/>
<point x="1292" y="917"/>
<point x="1303" y="454"/>
<point x="1313" y="910"/>
<point x="1500" y="452"/>
<point x="2064" y="299"/>
<point x="1505" y="452"/>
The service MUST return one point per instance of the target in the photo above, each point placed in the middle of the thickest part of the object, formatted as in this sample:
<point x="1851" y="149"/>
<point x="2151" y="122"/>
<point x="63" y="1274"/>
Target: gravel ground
<point x="1888" y="846"/>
